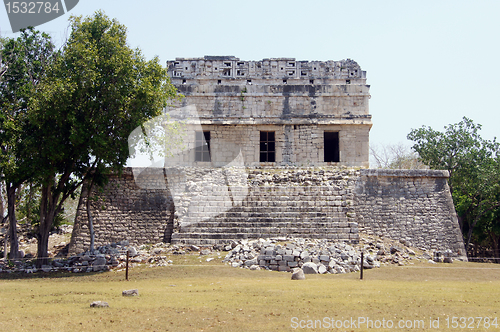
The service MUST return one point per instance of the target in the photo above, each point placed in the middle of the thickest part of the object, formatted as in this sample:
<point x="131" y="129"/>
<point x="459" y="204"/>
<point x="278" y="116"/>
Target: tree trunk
<point x="11" y="202"/>
<point x="48" y="205"/>
<point x="471" y="228"/>
<point x="42" y="249"/>
<point x="2" y="208"/>
<point x="5" y="243"/>
<point x="469" y="237"/>
<point x="461" y="223"/>
<point x="30" y="202"/>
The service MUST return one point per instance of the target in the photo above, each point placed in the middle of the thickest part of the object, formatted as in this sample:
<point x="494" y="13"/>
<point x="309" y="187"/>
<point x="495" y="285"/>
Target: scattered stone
<point x="323" y="256"/>
<point x="426" y="256"/>
<point x="57" y="263"/>
<point x="99" y="304"/>
<point x="130" y="292"/>
<point x="251" y="262"/>
<point x="298" y="274"/>
<point x="271" y="254"/>
<point x="99" y="264"/>
<point x="132" y="252"/>
<point x="46" y="268"/>
<point x="156" y="251"/>
<point x="310" y="268"/>
<point x="395" y="250"/>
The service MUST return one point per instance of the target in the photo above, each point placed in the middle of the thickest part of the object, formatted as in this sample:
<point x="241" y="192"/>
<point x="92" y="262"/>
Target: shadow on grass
<point x="43" y="275"/>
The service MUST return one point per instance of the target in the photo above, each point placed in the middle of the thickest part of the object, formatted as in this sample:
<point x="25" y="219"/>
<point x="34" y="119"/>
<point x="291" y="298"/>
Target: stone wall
<point x="297" y="145"/>
<point x="125" y="211"/>
<point x="410" y="205"/>
<point x="218" y="205"/>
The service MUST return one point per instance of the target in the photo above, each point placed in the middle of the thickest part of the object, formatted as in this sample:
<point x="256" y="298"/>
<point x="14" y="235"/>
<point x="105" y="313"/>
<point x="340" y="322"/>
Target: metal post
<point x="126" y="268"/>
<point x="361" y="270"/>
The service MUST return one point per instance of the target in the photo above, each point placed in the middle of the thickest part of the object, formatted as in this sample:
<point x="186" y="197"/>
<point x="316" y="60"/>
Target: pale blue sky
<point x="428" y="62"/>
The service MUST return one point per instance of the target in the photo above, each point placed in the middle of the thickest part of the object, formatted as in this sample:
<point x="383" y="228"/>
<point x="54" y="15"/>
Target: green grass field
<point x="200" y="296"/>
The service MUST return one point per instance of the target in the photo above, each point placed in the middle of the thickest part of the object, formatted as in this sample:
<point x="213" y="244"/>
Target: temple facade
<point x="274" y="112"/>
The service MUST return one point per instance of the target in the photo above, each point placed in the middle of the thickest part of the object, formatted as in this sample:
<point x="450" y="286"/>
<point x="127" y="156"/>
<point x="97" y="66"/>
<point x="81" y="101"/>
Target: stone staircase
<point x="318" y="212"/>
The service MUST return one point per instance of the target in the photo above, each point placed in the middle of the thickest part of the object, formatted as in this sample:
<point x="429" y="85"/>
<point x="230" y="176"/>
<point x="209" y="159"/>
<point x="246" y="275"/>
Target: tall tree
<point x="25" y="61"/>
<point x="474" y="167"/>
<point x="97" y="93"/>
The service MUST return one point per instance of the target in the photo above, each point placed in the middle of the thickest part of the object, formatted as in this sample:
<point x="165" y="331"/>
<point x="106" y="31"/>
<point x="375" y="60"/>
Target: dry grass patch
<point x="213" y="297"/>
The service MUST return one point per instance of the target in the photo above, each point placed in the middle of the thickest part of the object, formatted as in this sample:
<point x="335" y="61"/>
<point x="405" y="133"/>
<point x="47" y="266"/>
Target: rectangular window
<point x="267" y="147"/>
<point x="202" y="146"/>
<point x="331" y="146"/>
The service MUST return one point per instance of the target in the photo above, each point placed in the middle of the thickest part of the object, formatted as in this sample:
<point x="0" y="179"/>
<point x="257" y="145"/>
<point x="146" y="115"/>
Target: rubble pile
<point x="104" y="258"/>
<point x="322" y="256"/>
<point x="276" y="254"/>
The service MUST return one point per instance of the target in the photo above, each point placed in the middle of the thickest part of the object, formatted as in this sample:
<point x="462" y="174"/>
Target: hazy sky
<point x="427" y="62"/>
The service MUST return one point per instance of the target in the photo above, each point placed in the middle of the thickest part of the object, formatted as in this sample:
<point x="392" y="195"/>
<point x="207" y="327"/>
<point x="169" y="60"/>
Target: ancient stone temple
<point x="279" y="111"/>
<point x="270" y="148"/>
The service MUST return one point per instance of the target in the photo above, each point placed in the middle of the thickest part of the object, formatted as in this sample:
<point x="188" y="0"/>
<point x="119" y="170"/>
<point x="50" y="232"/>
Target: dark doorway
<point x="331" y="146"/>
